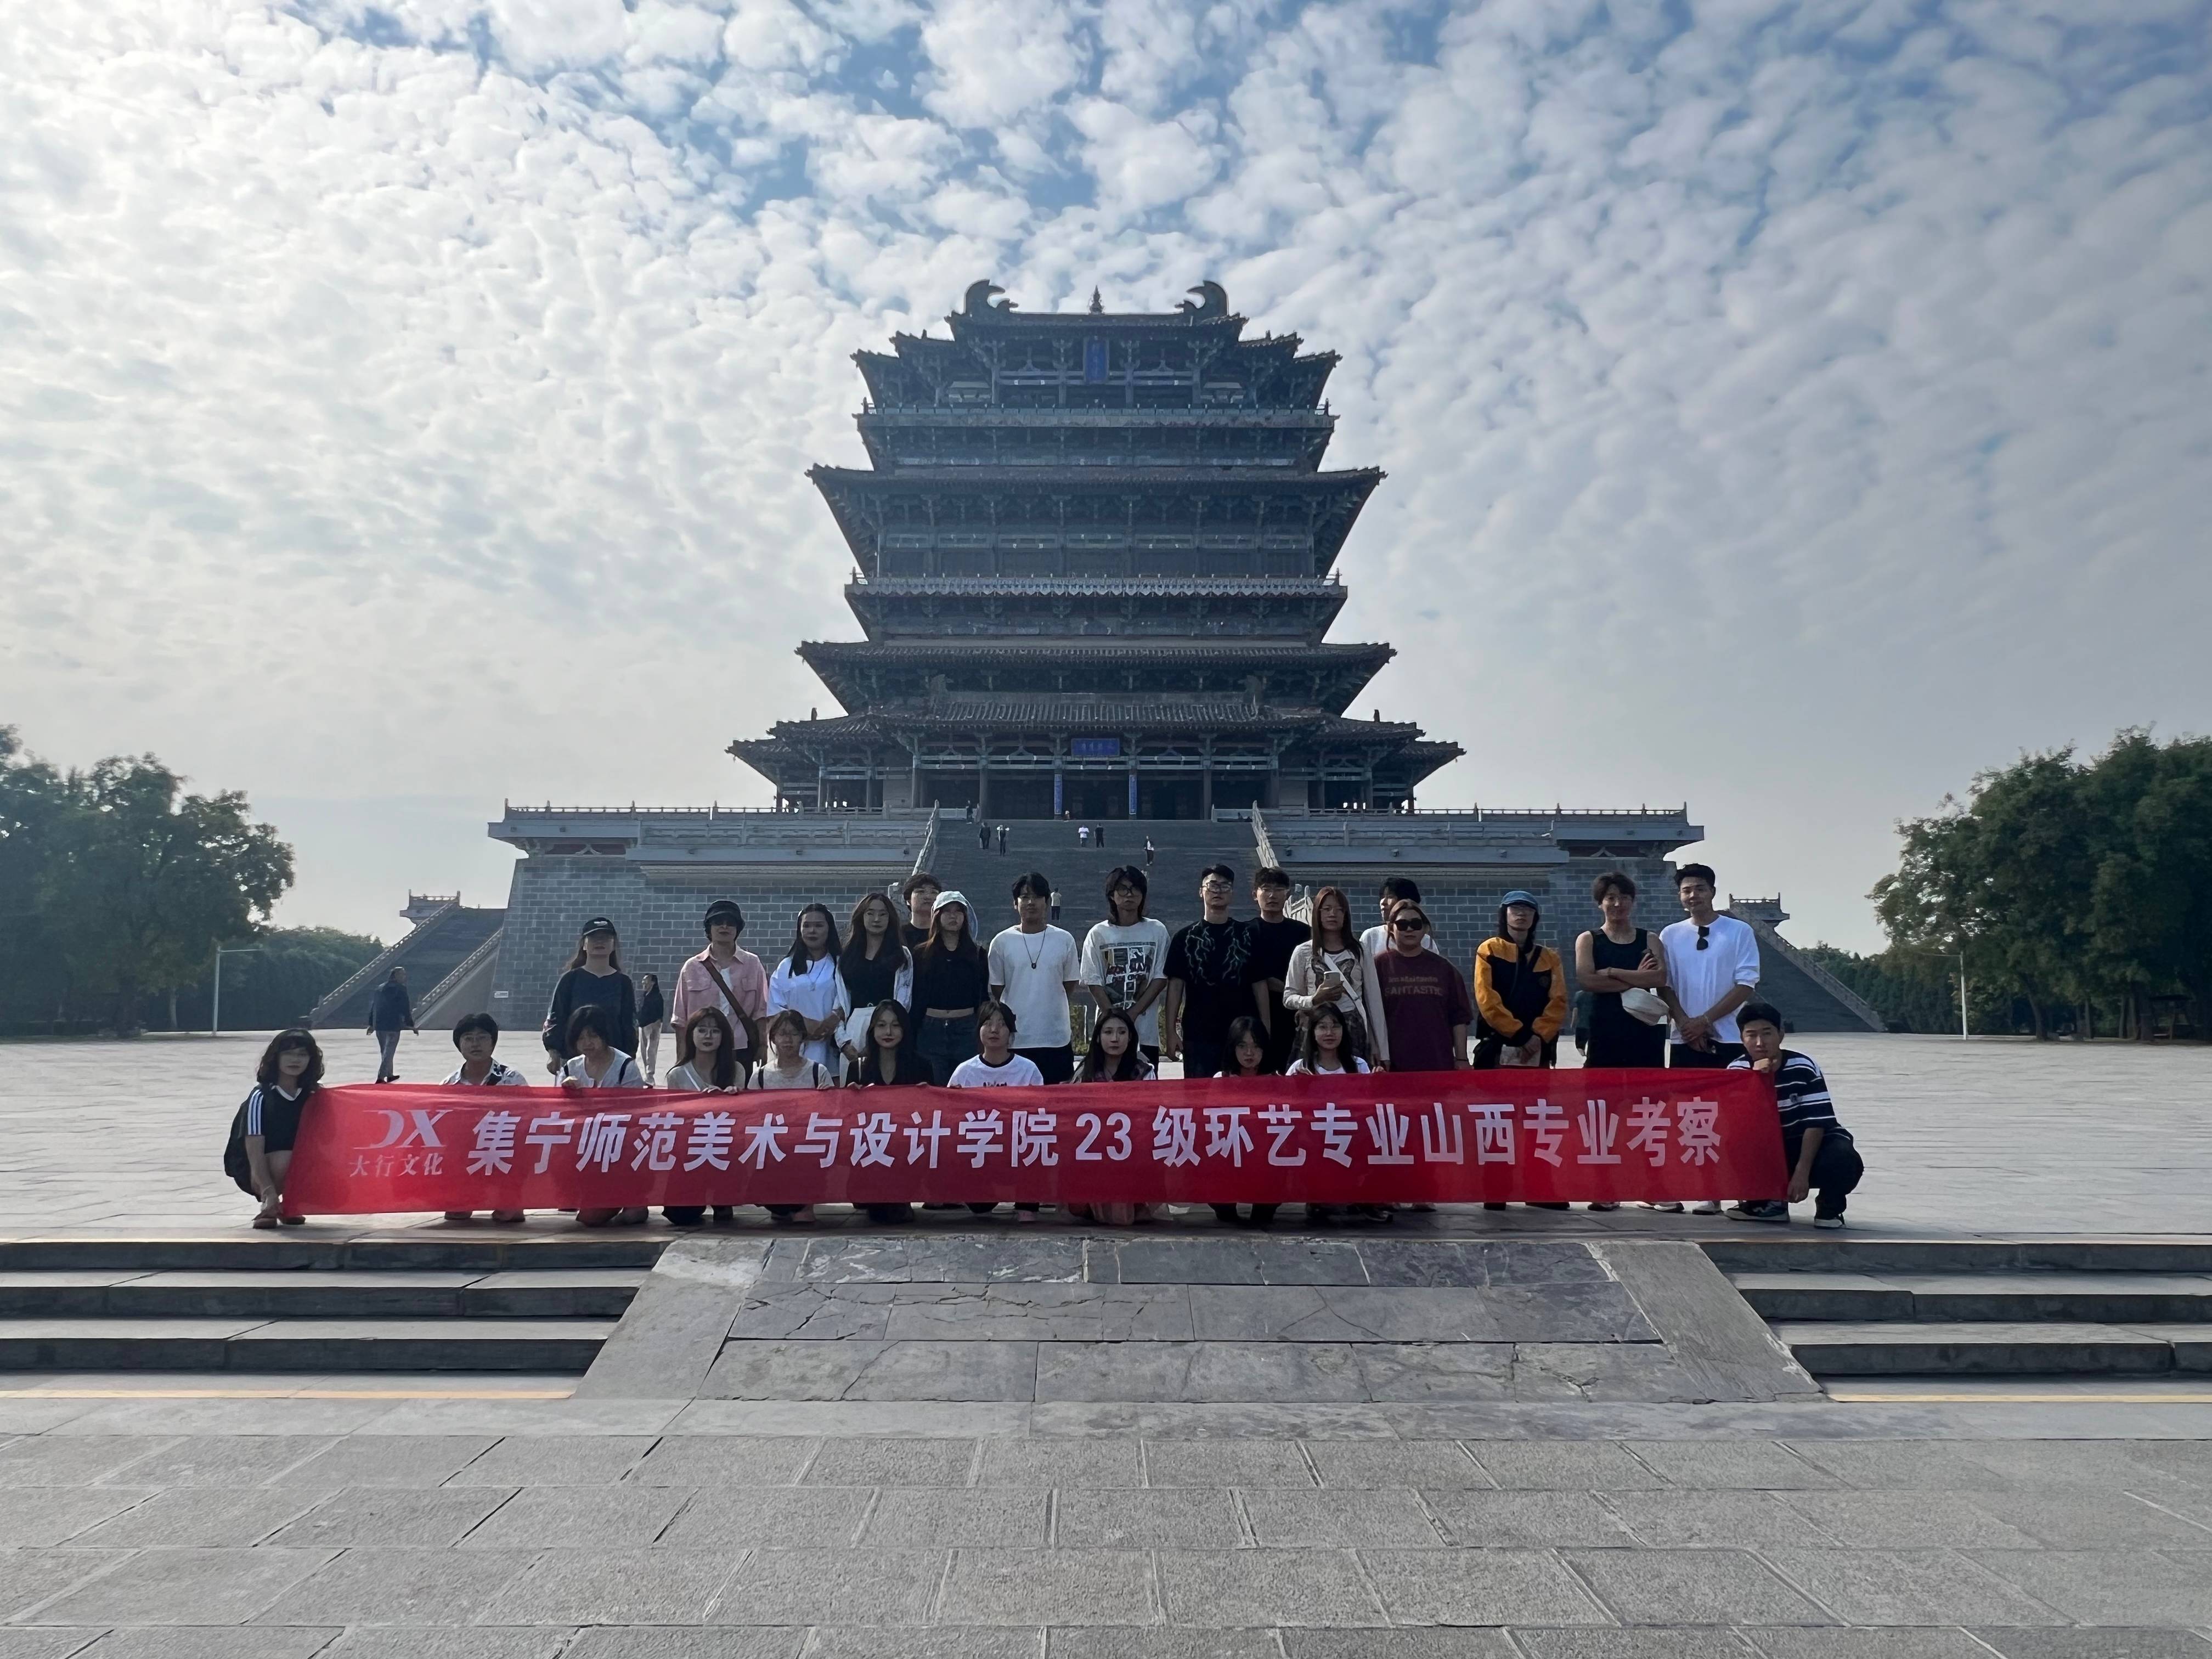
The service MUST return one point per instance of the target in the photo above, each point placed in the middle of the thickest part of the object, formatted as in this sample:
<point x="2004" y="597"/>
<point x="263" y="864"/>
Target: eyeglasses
<point x="1704" y="928"/>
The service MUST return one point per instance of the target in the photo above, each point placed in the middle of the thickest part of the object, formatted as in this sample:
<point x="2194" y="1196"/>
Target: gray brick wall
<point x="658" y="917"/>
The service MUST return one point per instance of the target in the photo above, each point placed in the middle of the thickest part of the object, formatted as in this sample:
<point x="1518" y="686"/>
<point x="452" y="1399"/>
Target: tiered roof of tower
<point x="1093" y="544"/>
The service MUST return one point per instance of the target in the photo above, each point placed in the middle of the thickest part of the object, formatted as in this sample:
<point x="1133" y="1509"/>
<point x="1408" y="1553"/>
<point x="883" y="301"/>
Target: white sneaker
<point x="1673" y="1206"/>
<point x="1827" y="1221"/>
<point x="1710" y="1207"/>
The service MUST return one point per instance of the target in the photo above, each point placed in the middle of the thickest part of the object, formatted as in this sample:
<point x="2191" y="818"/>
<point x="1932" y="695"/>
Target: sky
<point x="1790" y="407"/>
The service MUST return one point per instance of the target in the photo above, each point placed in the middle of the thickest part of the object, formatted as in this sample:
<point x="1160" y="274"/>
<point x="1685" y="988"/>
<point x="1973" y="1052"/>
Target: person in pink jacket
<point x="727" y="977"/>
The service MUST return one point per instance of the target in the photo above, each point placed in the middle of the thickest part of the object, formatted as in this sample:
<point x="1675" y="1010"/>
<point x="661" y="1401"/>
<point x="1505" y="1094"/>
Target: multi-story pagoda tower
<point x="1095" y="562"/>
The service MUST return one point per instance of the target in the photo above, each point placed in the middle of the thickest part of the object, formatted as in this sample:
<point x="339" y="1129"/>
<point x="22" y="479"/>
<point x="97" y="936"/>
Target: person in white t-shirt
<point x="1124" y="956"/>
<point x="1035" y="969"/>
<point x="997" y="1066"/>
<point x="1712" y="970"/>
<point x="1376" y="943"/>
<point x="476" y="1036"/>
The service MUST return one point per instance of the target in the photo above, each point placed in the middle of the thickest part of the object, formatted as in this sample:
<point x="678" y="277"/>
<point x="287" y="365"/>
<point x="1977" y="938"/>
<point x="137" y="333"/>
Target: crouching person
<point x="1818" y="1150"/>
<point x="259" y="1154"/>
<point x="476" y="1037"/>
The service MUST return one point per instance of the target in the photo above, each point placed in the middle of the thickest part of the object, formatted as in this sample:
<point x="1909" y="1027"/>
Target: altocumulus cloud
<point x="1790" y="406"/>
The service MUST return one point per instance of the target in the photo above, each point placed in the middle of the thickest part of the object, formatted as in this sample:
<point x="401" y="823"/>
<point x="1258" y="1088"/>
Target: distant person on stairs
<point x="389" y="1014"/>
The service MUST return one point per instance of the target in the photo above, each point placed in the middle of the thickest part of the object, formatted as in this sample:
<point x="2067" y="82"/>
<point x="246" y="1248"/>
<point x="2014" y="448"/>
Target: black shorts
<point x="1719" y="1058"/>
<point x="1056" y="1065"/>
<point x="280" y="1122"/>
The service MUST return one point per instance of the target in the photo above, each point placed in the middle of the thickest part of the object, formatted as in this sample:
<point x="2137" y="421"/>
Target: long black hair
<point x="1347" y="1052"/>
<point x="614" y="955"/>
<point x="725" y="1068"/>
<point x="296" y="1036"/>
<point x="1131" y="1067"/>
<point x="856" y="937"/>
<point x="798" y="960"/>
<point x="906" y="1064"/>
<point x="1247" y="1029"/>
<point x="934" y="946"/>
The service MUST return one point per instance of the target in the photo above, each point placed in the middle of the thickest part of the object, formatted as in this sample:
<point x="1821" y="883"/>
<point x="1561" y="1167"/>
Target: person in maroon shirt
<point x="1426" y="1006"/>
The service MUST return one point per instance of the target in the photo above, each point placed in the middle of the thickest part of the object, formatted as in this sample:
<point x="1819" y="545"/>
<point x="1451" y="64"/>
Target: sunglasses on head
<point x="1704" y="928"/>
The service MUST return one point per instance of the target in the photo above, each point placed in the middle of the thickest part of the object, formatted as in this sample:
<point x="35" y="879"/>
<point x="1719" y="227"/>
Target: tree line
<point x="2078" y="890"/>
<point x="117" y="884"/>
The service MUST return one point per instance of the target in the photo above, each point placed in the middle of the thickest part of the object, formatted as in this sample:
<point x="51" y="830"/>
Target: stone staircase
<point x="447" y="939"/>
<point x="443" y="1302"/>
<point x="1875" y="1308"/>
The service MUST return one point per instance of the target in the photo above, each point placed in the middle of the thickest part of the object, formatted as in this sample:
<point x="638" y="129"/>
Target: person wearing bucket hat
<point x="951" y="980"/>
<point x="593" y="978"/>
<point x="1520" y="990"/>
<point x="727" y="977"/>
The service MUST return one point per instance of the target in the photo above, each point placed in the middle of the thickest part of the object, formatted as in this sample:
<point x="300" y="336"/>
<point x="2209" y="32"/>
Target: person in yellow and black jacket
<point x="1520" y="991"/>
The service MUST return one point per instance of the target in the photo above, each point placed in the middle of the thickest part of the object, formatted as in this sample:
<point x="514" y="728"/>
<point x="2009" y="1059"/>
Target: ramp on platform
<point x="446" y="953"/>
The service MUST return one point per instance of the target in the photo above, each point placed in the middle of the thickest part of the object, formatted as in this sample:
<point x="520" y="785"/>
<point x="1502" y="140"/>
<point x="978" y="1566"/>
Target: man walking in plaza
<point x="1035" y="969"/>
<point x="1214" y="981"/>
<point x="727" y="977"/>
<point x="1002" y="841"/>
<point x="389" y="1014"/>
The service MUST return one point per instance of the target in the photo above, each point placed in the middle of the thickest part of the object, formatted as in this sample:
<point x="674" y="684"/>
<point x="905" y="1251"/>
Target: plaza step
<point x="1990" y="1348"/>
<point x="1980" y="1307"/>
<point x="302" y="1344"/>
<point x="457" y="1298"/>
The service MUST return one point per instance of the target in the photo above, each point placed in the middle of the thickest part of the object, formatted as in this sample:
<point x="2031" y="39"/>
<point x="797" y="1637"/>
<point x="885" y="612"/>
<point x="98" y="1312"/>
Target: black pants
<point x="1836" y="1172"/>
<point x="1634" y="1048"/>
<point x="1056" y="1065"/>
<point x="1719" y="1058"/>
<point x="1203" y="1058"/>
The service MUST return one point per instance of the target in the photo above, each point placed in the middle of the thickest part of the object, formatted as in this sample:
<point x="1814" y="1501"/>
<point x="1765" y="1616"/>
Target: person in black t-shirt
<point x="920" y="891"/>
<point x="1274" y="936"/>
<point x="1214" y="981"/>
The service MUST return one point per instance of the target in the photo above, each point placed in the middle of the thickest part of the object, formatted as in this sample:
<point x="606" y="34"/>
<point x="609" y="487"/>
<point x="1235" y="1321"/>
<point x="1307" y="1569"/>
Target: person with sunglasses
<point x="1712" y="968"/>
<point x="1423" y="1002"/>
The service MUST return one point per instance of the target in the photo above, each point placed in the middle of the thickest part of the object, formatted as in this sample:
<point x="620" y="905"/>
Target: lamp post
<point x="1962" y="996"/>
<point x="214" y="1014"/>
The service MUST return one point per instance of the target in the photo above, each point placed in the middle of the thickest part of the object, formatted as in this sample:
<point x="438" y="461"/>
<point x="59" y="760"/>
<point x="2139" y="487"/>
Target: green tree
<point x="143" y="880"/>
<point x="33" y="800"/>
<point x="2069" y="883"/>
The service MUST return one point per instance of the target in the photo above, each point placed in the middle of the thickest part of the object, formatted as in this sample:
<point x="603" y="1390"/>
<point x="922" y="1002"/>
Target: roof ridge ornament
<point x="978" y="302"/>
<point x="1213" y="301"/>
<point x="1097" y="306"/>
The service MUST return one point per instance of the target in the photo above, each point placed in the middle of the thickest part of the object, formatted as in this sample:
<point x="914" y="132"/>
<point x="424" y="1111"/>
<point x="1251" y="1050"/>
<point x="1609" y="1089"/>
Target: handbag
<point x="752" y="1032"/>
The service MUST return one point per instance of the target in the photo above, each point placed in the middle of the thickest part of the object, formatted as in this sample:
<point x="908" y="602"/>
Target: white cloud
<point x="1803" y="407"/>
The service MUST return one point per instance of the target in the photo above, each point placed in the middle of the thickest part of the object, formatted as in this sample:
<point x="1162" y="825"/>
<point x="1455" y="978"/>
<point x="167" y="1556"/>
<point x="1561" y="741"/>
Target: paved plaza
<point x="1991" y="1136"/>
<point x="1518" y="1435"/>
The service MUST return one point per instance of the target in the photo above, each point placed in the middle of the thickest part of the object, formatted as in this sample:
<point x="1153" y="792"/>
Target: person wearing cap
<point x="951" y="980"/>
<point x="594" y="979"/>
<point x="1520" y="990"/>
<point x="727" y="977"/>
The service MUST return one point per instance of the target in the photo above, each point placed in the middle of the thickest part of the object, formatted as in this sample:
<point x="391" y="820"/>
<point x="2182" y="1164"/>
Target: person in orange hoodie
<point x="1520" y="996"/>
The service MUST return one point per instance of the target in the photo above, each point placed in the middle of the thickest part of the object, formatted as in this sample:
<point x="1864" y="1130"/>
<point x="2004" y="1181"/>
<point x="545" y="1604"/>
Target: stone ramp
<point x="1283" y="1318"/>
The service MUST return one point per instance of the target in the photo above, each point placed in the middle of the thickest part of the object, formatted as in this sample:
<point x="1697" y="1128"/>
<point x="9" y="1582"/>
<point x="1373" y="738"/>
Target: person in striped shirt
<point x="1817" y="1149"/>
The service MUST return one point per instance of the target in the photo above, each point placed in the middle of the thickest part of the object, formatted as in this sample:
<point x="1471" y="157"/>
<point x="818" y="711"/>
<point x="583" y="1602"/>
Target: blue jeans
<point x="945" y="1043"/>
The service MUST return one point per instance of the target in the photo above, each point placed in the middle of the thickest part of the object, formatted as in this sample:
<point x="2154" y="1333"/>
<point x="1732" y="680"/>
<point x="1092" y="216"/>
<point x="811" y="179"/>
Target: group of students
<point x="920" y="1000"/>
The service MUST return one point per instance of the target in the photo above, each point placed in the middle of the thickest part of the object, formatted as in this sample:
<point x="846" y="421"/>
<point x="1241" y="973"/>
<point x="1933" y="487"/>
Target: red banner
<point x="1440" y="1137"/>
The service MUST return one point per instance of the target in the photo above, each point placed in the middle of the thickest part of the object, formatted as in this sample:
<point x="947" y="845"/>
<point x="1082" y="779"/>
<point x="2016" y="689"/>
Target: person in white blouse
<point x="1332" y="969"/>
<point x="596" y="1063"/>
<point x="807" y="982"/>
